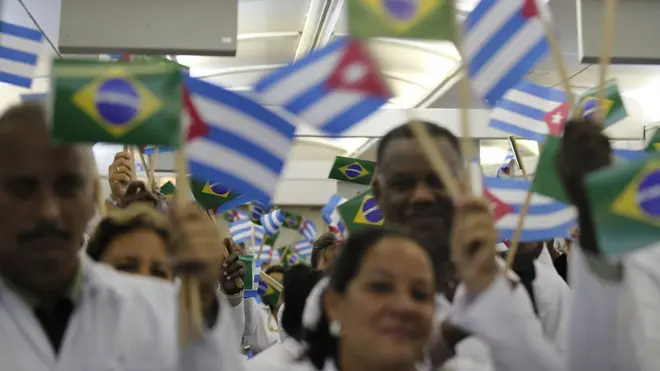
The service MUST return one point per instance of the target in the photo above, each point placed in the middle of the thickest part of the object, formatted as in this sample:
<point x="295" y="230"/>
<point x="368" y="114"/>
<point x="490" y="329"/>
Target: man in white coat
<point x="61" y="311"/>
<point x="409" y="194"/>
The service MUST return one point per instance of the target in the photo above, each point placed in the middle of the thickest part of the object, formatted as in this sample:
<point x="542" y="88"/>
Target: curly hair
<point x="121" y="221"/>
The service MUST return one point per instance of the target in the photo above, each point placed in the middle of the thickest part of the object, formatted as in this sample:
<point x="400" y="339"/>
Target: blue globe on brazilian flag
<point x="130" y="103"/>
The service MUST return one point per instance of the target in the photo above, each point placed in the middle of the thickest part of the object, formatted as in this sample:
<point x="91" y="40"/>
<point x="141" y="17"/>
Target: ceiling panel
<point x="255" y="16"/>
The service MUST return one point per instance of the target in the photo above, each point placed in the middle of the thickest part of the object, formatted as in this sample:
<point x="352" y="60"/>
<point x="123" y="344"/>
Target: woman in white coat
<point x="374" y="315"/>
<point x="299" y="281"/>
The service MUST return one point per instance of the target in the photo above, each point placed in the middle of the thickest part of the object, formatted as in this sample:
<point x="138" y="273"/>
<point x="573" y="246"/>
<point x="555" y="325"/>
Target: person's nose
<point x="49" y="207"/>
<point x="422" y="193"/>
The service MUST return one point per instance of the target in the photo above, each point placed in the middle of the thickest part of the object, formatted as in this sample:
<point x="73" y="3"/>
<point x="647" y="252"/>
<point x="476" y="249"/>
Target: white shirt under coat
<point x="121" y="322"/>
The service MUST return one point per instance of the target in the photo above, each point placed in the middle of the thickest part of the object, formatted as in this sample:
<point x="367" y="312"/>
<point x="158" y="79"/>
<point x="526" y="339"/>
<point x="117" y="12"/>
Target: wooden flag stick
<point x="563" y="75"/>
<point x="467" y="146"/>
<point x="516" y="154"/>
<point x="261" y="247"/>
<point x="190" y="312"/>
<point x="271" y="281"/>
<point x="606" y="55"/>
<point x="144" y="165"/>
<point x="286" y="249"/>
<point x="152" y="168"/>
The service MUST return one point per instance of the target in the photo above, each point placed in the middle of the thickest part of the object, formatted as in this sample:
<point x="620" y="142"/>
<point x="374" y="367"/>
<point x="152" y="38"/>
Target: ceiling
<point x="273" y="33"/>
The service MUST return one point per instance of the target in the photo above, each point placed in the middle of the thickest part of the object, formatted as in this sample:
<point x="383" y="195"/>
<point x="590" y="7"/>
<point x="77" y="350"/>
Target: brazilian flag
<point x="353" y="170"/>
<point x="290" y="256"/>
<point x="291" y="220"/>
<point x="361" y="211"/>
<point x="211" y="195"/>
<point x="168" y="190"/>
<point x="625" y="204"/>
<point x="268" y="294"/>
<point x="654" y="143"/>
<point x="613" y="106"/>
<point x="411" y="19"/>
<point x="130" y="103"/>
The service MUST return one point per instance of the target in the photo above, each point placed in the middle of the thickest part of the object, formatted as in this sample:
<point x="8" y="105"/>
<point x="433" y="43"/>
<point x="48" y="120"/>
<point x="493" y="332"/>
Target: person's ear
<point x="376" y="187"/>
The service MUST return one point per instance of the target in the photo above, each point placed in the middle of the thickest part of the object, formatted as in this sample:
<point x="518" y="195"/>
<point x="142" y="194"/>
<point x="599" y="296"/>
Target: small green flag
<point x="210" y="195"/>
<point x="128" y="103"/>
<point x="249" y="279"/>
<point x="168" y="190"/>
<point x="546" y="179"/>
<point x="291" y="220"/>
<point x="360" y="211"/>
<point x="625" y="204"/>
<point x="613" y="106"/>
<point x="352" y="170"/>
<point x="270" y="240"/>
<point x="654" y="143"/>
<point x="289" y="256"/>
<point x="418" y="19"/>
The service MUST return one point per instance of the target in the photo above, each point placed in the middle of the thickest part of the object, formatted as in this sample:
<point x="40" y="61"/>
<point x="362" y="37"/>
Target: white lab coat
<point x="615" y="321"/>
<point x="261" y="328"/>
<point x="284" y="353"/>
<point x="121" y="322"/>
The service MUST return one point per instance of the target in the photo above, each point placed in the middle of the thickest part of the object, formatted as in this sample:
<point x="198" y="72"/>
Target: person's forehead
<point x="406" y="153"/>
<point x="28" y="146"/>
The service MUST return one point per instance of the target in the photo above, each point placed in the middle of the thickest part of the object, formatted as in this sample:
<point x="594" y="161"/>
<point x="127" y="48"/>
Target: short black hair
<point x="322" y="345"/>
<point x="321" y="244"/>
<point x="299" y="281"/>
<point x="404" y="131"/>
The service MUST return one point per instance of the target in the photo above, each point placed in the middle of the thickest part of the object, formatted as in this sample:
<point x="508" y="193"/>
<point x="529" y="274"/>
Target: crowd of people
<point x="426" y="291"/>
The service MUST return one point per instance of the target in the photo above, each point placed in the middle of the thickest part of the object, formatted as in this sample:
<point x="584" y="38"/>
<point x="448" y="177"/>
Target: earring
<point x="334" y="328"/>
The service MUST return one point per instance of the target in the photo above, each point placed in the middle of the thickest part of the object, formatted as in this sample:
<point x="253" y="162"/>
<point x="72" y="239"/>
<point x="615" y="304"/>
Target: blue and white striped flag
<point x="504" y="39"/>
<point x="332" y="218"/>
<point x="247" y="143"/>
<point x="20" y="47"/>
<point x="242" y="231"/>
<point x="308" y="229"/>
<point x="268" y="255"/>
<point x="302" y="89"/>
<point x="546" y="218"/>
<point x="524" y="111"/>
<point x="304" y="248"/>
<point x="272" y="221"/>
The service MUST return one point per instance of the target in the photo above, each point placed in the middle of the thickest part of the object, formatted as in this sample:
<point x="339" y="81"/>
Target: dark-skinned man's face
<point x="47" y="197"/>
<point x="410" y="194"/>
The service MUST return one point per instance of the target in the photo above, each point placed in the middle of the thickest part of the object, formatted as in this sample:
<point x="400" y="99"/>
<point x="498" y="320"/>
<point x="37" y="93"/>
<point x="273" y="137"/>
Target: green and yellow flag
<point x="625" y="204"/>
<point x="409" y="19"/>
<point x="291" y="220"/>
<point x="128" y="103"/>
<point x="654" y="143"/>
<point x="613" y="106"/>
<point x="353" y="170"/>
<point x="361" y="211"/>
<point x="210" y="195"/>
<point x="290" y="256"/>
<point x="168" y="190"/>
<point x="546" y="179"/>
<point x="267" y="293"/>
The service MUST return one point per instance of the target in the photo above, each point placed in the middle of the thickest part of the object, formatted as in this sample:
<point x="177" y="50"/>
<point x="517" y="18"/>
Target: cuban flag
<point x="268" y="255"/>
<point x="242" y="231"/>
<point x="545" y="220"/>
<point x="332" y="218"/>
<point x="245" y="144"/>
<point x="304" y="248"/>
<point x="308" y="229"/>
<point x="504" y="39"/>
<point x="531" y="111"/>
<point x="332" y="88"/>
<point x="20" y="46"/>
<point x="272" y="222"/>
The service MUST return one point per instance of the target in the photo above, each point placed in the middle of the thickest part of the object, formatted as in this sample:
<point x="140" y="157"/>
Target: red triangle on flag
<point x="197" y="127"/>
<point x="556" y="119"/>
<point x="357" y="71"/>
<point x="499" y="208"/>
<point x="529" y="9"/>
<point x="125" y="57"/>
